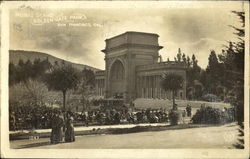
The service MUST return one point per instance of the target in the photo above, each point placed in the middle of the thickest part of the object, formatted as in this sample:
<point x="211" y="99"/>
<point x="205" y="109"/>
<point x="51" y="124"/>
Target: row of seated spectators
<point x="27" y="117"/>
<point x="113" y="116"/>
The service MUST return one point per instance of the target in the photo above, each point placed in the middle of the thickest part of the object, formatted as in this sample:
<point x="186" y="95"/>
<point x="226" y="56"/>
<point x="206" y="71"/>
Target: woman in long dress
<point x="60" y="127"/>
<point x="57" y="128"/>
<point x="53" y="125"/>
<point x="69" y="133"/>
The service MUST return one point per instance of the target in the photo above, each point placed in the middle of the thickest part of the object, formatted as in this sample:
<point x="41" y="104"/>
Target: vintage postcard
<point x="125" y="79"/>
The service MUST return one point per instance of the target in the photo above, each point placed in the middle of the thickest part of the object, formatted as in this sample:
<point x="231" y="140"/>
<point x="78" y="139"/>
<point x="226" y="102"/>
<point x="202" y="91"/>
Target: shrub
<point x="174" y="117"/>
<point x="209" y="97"/>
<point x="209" y="115"/>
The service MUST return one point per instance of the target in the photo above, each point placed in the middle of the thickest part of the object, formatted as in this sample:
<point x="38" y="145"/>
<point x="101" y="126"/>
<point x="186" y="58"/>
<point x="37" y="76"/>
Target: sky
<point x="78" y="34"/>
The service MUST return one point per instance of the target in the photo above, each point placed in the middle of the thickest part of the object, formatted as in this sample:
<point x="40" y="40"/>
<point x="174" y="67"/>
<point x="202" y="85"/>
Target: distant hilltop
<point x="16" y="55"/>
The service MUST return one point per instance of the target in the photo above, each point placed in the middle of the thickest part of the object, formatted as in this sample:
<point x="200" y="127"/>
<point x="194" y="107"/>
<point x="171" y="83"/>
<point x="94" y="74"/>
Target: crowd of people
<point x="113" y="116"/>
<point x="30" y="117"/>
<point x="22" y="118"/>
<point x="62" y="122"/>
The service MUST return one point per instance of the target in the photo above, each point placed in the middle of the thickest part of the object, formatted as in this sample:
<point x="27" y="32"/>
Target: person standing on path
<point x="57" y="128"/>
<point x="69" y="133"/>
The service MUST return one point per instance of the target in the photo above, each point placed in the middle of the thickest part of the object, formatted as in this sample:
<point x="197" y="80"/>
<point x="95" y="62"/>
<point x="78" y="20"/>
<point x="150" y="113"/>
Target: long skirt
<point x="69" y="134"/>
<point x="56" y="135"/>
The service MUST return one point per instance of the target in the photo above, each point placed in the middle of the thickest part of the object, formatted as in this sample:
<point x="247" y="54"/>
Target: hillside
<point x="16" y="55"/>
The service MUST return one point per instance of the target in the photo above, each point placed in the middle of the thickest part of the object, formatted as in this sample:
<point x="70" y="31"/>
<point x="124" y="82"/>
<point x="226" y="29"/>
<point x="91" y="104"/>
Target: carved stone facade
<point x="132" y="68"/>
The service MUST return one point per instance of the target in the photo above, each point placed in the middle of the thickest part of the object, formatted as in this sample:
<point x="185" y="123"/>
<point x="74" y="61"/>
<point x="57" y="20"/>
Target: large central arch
<point x="117" y="78"/>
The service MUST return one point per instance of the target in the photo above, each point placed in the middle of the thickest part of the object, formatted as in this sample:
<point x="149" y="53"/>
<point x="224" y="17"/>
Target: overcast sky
<point x="78" y="35"/>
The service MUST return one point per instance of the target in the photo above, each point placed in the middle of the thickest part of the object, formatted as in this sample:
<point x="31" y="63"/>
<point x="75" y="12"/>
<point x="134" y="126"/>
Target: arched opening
<point x="117" y="79"/>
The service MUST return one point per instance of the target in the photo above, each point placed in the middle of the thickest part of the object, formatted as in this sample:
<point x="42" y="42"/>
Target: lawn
<point x="143" y="103"/>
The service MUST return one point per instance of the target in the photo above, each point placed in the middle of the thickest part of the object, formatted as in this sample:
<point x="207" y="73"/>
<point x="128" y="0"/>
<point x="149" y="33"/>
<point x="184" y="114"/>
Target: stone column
<point x="160" y="93"/>
<point x="138" y="87"/>
<point x="155" y="93"/>
<point x="102" y="87"/>
<point x="98" y="85"/>
<point x="152" y="86"/>
<point x="142" y="88"/>
<point x="151" y="90"/>
<point x="163" y="93"/>
<point x="155" y="87"/>
<point x="146" y="88"/>
<point x="158" y="86"/>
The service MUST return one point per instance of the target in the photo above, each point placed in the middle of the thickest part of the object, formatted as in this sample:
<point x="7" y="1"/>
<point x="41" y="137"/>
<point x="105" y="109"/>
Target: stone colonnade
<point x="150" y="87"/>
<point x="100" y="86"/>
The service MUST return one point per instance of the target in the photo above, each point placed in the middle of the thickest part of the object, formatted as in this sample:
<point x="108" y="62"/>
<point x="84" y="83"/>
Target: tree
<point x="188" y="62"/>
<point x="25" y="83"/>
<point x="184" y="58"/>
<point x="28" y="70"/>
<point x="40" y="67"/>
<point x="32" y="92"/>
<point x="193" y="59"/>
<point x="23" y="70"/>
<point x="175" y="59"/>
<point x="239" y="46"/>
<point x="179" y="55"/>
<point x="89" y="77"/>
<point x="86" y="87"/>
<point x="214" y="72"/>
<point x="85" y="91"/>
<point x="62" y="78"/>
<point x="232" y="57"/>
<point x="12" y="74"/>
<point x="204" y="79"/>
<point x="212" y="61"/>
<point x="195" y="62"/>
<point x="193" y="73"/>
<point x="239" y="63"/>
<point x="172" y="82"/>
<point x="193" y="70"/>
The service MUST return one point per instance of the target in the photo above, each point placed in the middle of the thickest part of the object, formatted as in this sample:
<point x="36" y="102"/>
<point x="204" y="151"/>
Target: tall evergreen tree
<point x="188" y="62"/>
<point x="184" y="58"/>
<point x="214" y="73"/>
<point x="232" y="57"/>
<point x="194" y="61"/>
<point x="179" y="55"/>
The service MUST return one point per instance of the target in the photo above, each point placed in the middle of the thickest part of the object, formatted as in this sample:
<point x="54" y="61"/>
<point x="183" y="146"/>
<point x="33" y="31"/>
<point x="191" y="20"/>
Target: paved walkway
<point x="205" y="137"/>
